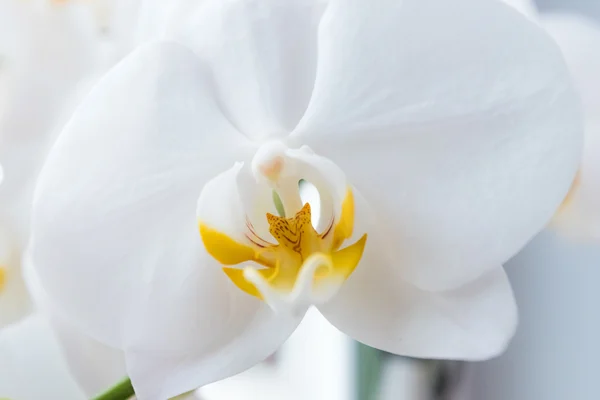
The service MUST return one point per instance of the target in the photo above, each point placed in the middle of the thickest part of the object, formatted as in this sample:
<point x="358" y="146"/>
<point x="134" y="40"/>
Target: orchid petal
<point x="32" y="364"/>
<point x="263" y="58"/>
<point x="253" y="333"/>
<point x="92" y="365"/>
<point x="112" y="228"/>
<point x="472" y="322"/>
<point x="221" y="209"/>
<point x="464" y="158"/>
<point x="316" y="343"/>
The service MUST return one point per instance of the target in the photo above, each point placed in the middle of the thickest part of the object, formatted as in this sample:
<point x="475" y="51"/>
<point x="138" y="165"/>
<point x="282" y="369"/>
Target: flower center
<point x="298" y="265"/>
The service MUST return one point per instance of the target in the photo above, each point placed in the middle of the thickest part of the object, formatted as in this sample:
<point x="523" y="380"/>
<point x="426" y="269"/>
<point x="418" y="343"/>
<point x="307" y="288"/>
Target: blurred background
<point x="554" y="355"/>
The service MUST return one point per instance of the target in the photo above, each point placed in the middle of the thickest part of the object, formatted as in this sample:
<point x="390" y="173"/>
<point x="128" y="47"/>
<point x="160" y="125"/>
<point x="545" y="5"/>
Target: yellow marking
<point x="297" y="240"/>
<point x="346" y="259"/>
<point x="343" y="230"/>
<point x="569" y="197"/>
<point x="2" y="279"/>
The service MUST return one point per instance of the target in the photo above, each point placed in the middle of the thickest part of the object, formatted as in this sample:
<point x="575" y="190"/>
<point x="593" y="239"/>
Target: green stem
<point x="120" y="391"/>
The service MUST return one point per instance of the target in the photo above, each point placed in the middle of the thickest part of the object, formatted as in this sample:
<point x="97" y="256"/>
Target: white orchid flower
<point x="438" y="147"/>
<point x="32" y="365"/>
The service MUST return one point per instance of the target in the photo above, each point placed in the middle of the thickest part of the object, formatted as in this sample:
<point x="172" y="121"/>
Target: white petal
<point x="252" y="334"/>
<point x="32" y="365"/>
<point x="316" y="343"/>
<point x="472" y="322"/>
<point x="579" y="39"/>
<point x="37" y="93"/>
<point x="94" y="366"/>
<point x="157" y="18"/>
<point x="466" y="157"/>
<point x="263" y="57"/>
<point x="114" y="209"/>
<point x="222" y="207"/>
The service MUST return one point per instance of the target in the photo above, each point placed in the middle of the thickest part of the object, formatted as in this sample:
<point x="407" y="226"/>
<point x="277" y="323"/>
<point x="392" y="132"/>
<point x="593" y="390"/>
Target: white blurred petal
<point x="32" y="365"/>
<point x="93" y="366"/>
<point x="465" y="158"/>
<point x="47" y="56"/>
<point x="579" y="39"/>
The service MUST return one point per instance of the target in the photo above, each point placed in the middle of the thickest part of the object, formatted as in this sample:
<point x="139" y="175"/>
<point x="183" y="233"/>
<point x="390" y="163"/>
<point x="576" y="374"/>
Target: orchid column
<point x="438" y="147"/>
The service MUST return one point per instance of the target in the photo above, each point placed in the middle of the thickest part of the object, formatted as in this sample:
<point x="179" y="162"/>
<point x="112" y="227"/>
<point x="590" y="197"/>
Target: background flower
<point x="32" y="365"/>
<point x="46" y="57"/>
